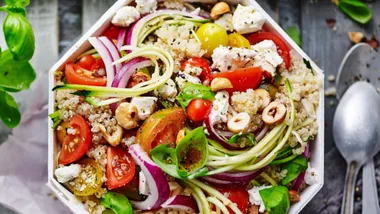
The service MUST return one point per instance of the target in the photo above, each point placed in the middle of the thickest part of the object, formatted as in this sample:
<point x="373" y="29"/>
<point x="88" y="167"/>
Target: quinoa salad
<point x="183" y="107"/>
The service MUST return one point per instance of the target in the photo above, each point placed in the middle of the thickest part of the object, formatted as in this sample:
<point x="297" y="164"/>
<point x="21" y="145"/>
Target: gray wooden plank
<point x="289" y="13"/>
<point x="93" y="10"/>
<point x="70" y="23"/>
<point x="327" y="47"/>
<point x="271" y="7"/>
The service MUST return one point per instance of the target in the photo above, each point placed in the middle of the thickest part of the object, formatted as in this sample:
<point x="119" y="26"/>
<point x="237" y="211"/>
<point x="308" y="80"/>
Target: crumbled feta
<point x="255" y="198"/>
<point x="268" y="57"/>
<point x="145" y="106"/>
<point x="193" y="70"/>
<point x="125" y="16"/>
<point x="71" y="131"/>
<point x="167" y="91"/>
<point x="128" y="141"/>
<point x="220" y="107"/>
<point x="228" y="58"/>
<point x="143" y="184"/>
<point x="184" y="78"/>
<point x="311" y="176"/>
<point x="67" y="173"/>
<point x="146" y="6"/>
<point x="247" y="19"/>
<point x="225" y="22"/>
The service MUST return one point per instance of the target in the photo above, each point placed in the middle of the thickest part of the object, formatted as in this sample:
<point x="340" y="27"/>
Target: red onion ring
<point x="300" y="179"/>
<point x="238" y="176"/>
<point x="215" y="135"/>
<point x="181" y="202"/>
<point x="113" y="50"/>
<point x="121" y="38"/>
<point x="122" y="78"/>
<point x="262" y="133"/>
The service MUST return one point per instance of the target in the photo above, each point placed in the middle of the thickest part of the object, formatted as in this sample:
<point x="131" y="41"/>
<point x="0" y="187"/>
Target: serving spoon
<point x="356" y="133"/>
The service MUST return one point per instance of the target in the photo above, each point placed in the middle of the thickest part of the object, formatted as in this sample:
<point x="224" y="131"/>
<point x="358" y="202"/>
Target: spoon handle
<point x="370" y="199"/>
<point x="349" y="187"/>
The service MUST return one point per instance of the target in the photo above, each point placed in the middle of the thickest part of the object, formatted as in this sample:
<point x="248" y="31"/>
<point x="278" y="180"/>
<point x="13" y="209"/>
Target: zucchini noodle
<point x="199" y="196"/>
<point x="269" y="179"/>
<point x="218" y="204"/>
<point x="223" y="150"/>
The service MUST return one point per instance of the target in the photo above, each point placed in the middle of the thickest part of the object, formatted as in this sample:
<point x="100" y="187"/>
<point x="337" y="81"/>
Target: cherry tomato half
<point x="238" y="196"/>
<point x="112" y="33"/>
<point x="161" y="127"/>
<point x="77" y="75"/>
<point x="242" y="78"/>
<point x="121" y="167"/>
<point x="75" y="146"/>
<point x="98" y="65"/>
<point x="86" y="62"/>
<point x="282" y="48"/>
<point x="199" y="63"/>
<point x="198" y="110"/>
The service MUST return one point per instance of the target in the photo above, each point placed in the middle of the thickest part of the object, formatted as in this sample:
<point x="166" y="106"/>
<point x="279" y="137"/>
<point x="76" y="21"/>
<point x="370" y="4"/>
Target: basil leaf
<point x="294" y="168"/>
<point x="276" y="199"/>
<point x="15" y="76"/>
<point x="55" y="118"/>
<point x="194" y="91"/>
<point x="356" y="10"/>
<point x="21" y="3"/>
<point x="192" y="152"/>
<point x="244" y="139"/>
<point x="9" y="114"/>
<point x="117" y="202"/>
<point x="19" y="36"/>
<point x="295" y="34"/>
<point x="308" y="65"/>
<point x="166" y="158"/>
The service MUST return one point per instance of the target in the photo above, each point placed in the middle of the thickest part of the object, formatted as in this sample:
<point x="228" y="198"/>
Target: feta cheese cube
<point x="67" y="173"/>
<point x="255" y="198"/>
<point x="125" y="16"/>
<point x="167" y="91"/>
<point x="267" y="56"/>
<point x="146" y="6"/>
<point x="145" y="106"/>
<point x="228" y="58"/>
<point x="311" y="176"/>
<point x="184" y="78"/>
<point x="220" y="107"/>
<point x="247" y="19"/>
<point x="225" y="22"/>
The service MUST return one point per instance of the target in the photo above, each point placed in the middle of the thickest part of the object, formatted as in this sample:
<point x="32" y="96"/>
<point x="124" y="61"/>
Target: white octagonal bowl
<point x="317" y="146"/>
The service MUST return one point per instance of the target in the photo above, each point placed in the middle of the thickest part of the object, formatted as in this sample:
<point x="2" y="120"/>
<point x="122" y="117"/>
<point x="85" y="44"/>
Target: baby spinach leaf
<point x="9" y="114"/>
<point x="194" y="91"/>
<point x="244" y="139"/>
<point x="19" y="36"/>
<point x="117" y="202"/>
<point x="276" y="199"/>
<point x="15" y="76"/>
<point x="295" y="34"/>
<point x="20" y="3"/>
<point x="294" y="168"/>
<point x="356" y="10"/>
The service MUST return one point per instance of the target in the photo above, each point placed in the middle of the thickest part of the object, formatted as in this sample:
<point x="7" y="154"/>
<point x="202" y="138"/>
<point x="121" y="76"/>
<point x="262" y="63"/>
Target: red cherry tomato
<point x="238" y="196"/>
<point x="242" y="78"/>
<point x="98" y="65"/>
<point x="77" y="75"/>
<point x="200" y="63"/>
<point x="75" y="146"/>
<point x="282" y="48"/>
<point x="120" y="167"/>
<point x="86" y="62"/>
<point x="112" y="33"/>
<point x="198" y="110"/>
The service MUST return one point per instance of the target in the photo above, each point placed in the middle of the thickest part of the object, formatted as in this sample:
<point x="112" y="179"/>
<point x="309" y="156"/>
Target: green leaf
<point x="308" y="65"/>
<point x="288" y="85"/>
<point x="243" y="139"/>
<point x="15" y="76"/>
<point x="9" y="114"/>
<point x="295" y="34"/>
<point x="117" y="202"/>
<point x="276" y="199"/>
<point x="192" y="152"/>
<point x="55" y="118"/>
<point x="294" y="168"/>
<point x="194" y="91"/>
<point x="356" y="10"/>
<point x="278" y="79"/>
<point x="166" y="158"/>
<point x="21" y="3"/>
<point x="19" y="36"/>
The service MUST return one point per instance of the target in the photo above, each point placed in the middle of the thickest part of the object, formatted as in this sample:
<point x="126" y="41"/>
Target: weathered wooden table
<point x="58" y="23"/>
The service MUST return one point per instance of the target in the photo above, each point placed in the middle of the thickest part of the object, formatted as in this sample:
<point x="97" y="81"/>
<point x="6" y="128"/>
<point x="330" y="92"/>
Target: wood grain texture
<point x="70" y="19"/>
<point x="93" y="10"/>
<point x="271" y="7"/>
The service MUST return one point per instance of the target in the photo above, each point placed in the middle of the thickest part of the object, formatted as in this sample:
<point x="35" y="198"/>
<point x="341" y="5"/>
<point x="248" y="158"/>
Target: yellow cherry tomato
<point x="212" y="36"/>
<point x="238" y="41"/>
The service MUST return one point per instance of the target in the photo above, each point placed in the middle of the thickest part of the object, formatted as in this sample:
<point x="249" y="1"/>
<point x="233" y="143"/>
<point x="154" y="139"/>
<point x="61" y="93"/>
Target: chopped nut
<point x="219" y="8"/>
<point x="137" y="78"/>
<point x="127" y="115"/>
<point x="355" y="37"/>
<point x="264" y="97"/>
<point x="115" y="138"/>
<point x="274" y="112"/>
<point x="239" y="123"/>
<point x="220" y="83"/>
<point x="294" y="196"/>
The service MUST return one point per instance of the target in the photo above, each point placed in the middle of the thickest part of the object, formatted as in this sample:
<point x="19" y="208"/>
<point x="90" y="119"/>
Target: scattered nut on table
<point x="355" y="37"/>
<point x="127" y="115"/>
<point x="274" y="112"/>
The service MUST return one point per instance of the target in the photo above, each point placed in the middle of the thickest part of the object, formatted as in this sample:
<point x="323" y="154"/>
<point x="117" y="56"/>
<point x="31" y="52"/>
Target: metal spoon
<point x="362" y="62"/>
<point x="356" y="133"/>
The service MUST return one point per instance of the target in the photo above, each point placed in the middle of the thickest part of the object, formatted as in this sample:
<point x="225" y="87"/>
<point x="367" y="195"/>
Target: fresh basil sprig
<point x="356" y="10"/>
<point x="276" y="199"/>
<point x="194" y="91"/>
<point x="294" y="168"/>
<point x="16" y="73"/>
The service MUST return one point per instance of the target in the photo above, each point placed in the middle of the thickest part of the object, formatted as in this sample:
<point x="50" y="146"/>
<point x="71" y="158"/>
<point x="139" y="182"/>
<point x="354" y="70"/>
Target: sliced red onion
<point x="155" y="177"/>
<point x="216" y="136"/>
<point x="181" y="202"/>
<point x="223" y="183"/>
<point x="201" y="1"/>
<point x="238" y="176"/>
<point x="121" y="38"/>
<point x="113" y="50"/>
<point x="262" y="133"/>
<point x="122" y="78"/>
<point x="300" y="179"/>
<point x="106" y="57"/>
